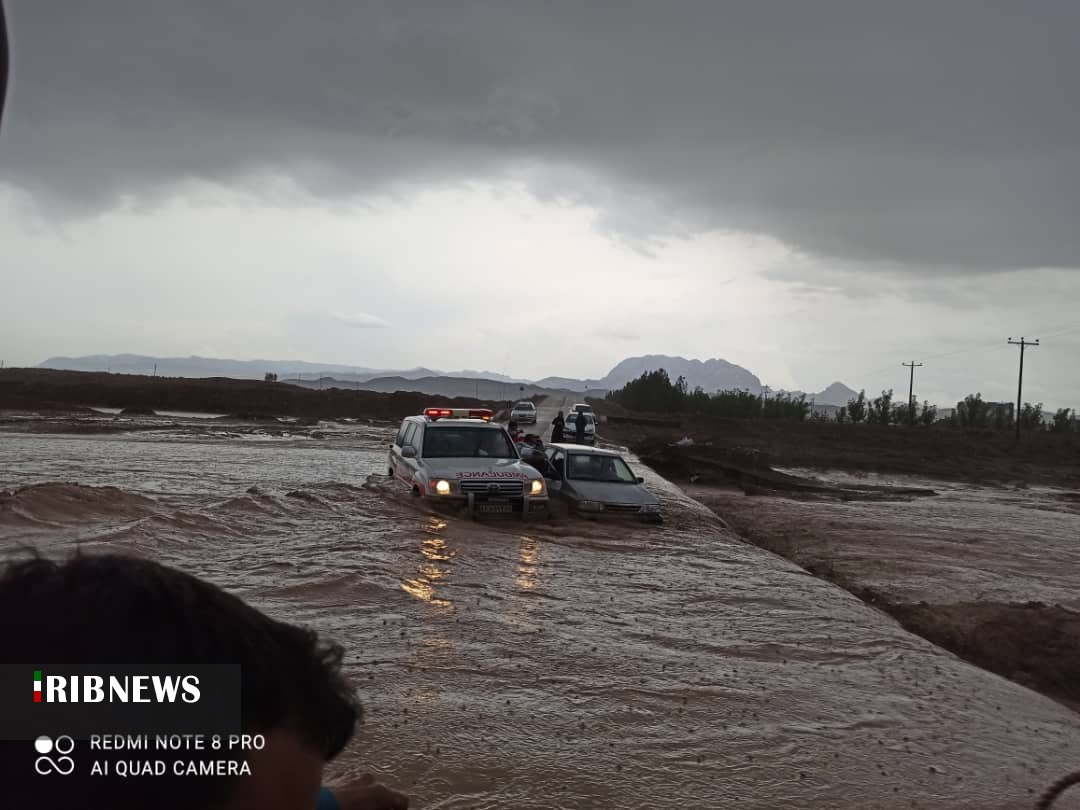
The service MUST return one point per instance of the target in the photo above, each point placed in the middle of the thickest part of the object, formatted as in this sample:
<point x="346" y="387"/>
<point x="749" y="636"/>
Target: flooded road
<point x="563" y="664"/>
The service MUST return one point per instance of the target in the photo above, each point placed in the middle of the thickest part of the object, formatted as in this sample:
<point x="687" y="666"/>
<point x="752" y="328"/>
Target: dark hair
<point x="116" y="609"/>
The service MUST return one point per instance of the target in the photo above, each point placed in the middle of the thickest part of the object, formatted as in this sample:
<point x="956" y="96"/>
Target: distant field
<point x="45" y="389"/>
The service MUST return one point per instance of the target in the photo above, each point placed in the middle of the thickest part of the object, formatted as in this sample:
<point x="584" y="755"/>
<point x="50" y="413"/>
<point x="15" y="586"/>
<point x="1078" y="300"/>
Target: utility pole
<point x="764" y="396"/>
<point x="1023" y="344"/>
<point x="911" y="392"/>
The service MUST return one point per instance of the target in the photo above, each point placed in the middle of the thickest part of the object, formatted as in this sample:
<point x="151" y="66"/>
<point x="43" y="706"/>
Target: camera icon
<point x="62" y="765"/>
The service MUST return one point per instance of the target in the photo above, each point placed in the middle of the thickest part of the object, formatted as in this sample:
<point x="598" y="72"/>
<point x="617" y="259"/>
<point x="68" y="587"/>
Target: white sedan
<point x="523" y="412"/>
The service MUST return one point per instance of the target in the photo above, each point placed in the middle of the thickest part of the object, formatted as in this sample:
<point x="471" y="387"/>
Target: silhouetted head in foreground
<point x="114" y="609"/>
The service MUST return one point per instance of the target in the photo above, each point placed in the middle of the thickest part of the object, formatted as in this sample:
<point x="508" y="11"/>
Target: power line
<point x="1023" y="344"/>
<point x="979" y="348"/>
<point x="1065" y="332"/>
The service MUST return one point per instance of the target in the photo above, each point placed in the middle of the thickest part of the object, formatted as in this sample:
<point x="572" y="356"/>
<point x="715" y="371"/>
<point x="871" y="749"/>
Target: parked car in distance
<point x="597" y="482"/>
<point x="523" y="412"/>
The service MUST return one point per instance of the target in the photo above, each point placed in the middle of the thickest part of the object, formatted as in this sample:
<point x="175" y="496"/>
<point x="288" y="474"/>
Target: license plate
<point x="494" y="508"/>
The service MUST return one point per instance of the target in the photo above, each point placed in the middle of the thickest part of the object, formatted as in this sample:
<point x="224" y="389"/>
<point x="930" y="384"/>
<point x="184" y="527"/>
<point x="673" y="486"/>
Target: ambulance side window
<point x="400" y="440"/>
<point x="410" y="431"/>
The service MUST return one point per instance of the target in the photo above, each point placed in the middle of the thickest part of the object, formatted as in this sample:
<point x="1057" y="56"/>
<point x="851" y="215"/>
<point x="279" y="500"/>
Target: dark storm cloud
<point x="926" y="134"/>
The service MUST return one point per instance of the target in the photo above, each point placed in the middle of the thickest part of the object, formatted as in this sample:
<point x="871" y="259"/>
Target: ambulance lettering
<point x="491" y="474"/>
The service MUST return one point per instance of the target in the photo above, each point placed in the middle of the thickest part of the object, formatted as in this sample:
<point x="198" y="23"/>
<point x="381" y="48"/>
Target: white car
<point x="523" y="412"/>
<point x="460" y="457"/>
<point x="570" y="432"/>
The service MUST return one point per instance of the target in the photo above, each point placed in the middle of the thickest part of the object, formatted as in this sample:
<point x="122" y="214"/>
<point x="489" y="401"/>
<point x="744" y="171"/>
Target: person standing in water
<point x="558" y="426"/>
<point x="579" y="428"/>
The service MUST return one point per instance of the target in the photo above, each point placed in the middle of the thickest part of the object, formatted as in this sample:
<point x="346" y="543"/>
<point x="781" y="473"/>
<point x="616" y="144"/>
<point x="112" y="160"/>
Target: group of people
<point x="558" y="432"/>
<point x="531" y="447"/>
<point x="558" y="428"/>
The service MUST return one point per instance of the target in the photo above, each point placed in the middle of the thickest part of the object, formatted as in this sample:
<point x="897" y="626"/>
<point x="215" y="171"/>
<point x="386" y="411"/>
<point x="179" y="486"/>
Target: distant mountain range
<point x="448" y="386"/>
<point x="711" y="375"/>
<point x="287" y="370"/>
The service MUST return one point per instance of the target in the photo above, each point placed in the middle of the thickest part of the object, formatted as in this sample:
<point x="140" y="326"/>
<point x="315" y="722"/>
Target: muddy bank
<point x="938" y="452"/>
<point x="45" y="389"/>
<point x="749" y="471"/>
<point x="992" y="576"/>
<point x="1034" y="644"/>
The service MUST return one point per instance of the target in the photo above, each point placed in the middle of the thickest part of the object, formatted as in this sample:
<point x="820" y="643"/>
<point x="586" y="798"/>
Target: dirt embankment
<point x="1036" y="644"/>
<point x="954" y="568"/>
<point x="938" y="452"/>
<point x="45" y="389"/>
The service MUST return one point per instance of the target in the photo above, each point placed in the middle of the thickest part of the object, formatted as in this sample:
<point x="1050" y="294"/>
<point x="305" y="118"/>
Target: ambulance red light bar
<point x="459" y="413"/>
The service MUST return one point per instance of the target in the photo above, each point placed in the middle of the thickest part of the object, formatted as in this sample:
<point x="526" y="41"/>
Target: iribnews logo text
<point x="127" y="689"/>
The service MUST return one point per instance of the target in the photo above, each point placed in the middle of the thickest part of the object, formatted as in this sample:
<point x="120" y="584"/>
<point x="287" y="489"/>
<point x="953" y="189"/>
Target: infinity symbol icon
<point x="62" y="765"/>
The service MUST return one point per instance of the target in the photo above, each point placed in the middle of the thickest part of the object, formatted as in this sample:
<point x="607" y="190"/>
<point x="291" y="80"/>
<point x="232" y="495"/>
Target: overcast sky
<point x="815" y="191"/>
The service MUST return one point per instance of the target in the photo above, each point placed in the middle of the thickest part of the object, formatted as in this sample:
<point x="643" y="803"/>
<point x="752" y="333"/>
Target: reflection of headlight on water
<point x="442" y="487"/>
<point x="537" y="487"/>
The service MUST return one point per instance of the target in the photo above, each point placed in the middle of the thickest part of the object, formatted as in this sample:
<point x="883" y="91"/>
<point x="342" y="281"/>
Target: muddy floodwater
<point x="558" y="664"/>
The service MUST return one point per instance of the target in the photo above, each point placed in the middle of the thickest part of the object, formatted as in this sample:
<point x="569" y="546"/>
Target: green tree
<point x="1031" y="416"/>
<point x="881" y="408"/>
<point x="785" y="406"/>
<point x="654" y="391"/>
<point x="902" y="413"/>
<point x="1063" y="421"/>
<point x="856" y="408"/>
<point x="972" y="412"/>
<point x="1000" y="417"/>
<point x="929" y="413"/>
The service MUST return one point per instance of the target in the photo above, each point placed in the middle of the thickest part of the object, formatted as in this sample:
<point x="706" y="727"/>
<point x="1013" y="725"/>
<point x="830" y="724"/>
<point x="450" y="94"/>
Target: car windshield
<point x="467" y="442"/>
<point x="524" y="406"/>
<point x="590" y="467"/>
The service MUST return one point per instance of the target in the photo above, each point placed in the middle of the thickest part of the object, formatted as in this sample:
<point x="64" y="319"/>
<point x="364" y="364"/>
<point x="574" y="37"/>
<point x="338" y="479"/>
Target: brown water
<point x="967" y="544"/>
<point x="566" y="664"/>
